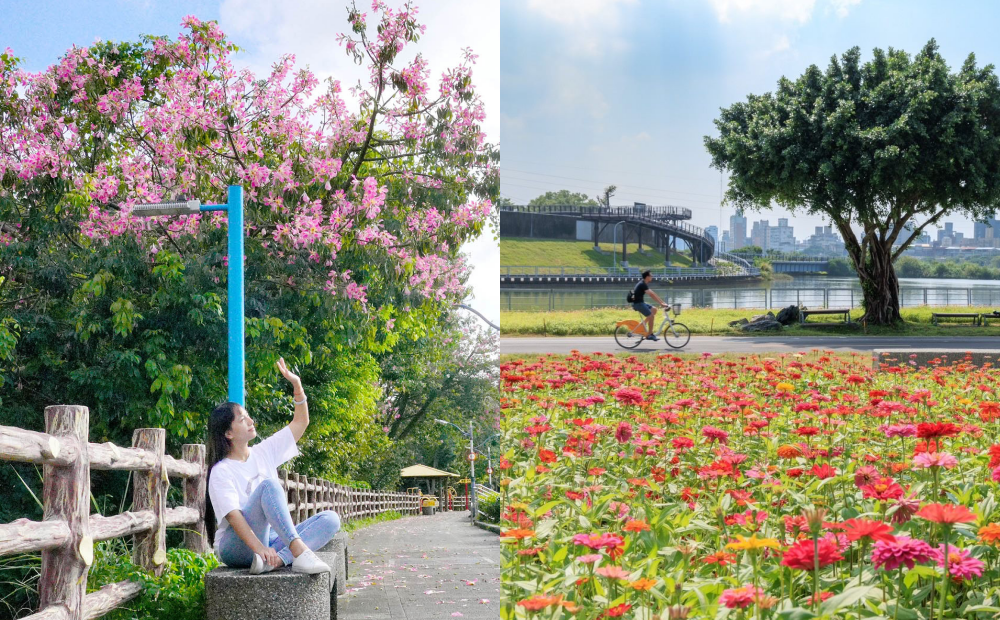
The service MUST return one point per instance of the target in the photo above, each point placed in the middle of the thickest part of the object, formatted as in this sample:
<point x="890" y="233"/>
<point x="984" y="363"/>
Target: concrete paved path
<point x="423" y="568"/>
<point x="748" y="344"/>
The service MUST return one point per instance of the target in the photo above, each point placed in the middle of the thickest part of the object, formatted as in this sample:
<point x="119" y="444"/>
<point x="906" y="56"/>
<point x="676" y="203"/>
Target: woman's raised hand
<point x="288" y="374"/>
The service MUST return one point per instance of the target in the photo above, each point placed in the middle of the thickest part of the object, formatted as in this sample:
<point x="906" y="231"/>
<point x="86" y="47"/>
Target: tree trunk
<point x="879" y="285"/>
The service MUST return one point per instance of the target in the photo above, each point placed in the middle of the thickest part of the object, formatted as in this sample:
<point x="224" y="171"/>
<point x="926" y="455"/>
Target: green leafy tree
<point x="883" y="149"/>
<point x="562" y="198"/>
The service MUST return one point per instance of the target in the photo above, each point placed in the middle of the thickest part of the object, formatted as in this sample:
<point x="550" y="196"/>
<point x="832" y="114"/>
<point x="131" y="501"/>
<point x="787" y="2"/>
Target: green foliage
<point x="840" y="267"/>
<point x="178" y="594"/>
<point x="562" y="198"/>
<point x="490" y="508"/>
<point x="912" y="267"/>
<point x="382" y="517"/>
<point x="888" y="147"/>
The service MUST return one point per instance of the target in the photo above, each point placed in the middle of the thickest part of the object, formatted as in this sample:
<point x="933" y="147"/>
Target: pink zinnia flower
<point x="935" y="459"/>
<point x="866" y="474"/>
<point x="899" y="430"/>
<point x="961" y="564"/>
<point x="623" y="433"/>
<point x="597" y="541"/>
<point x="590" y="558"/>
<point x="741" y="597"/>
<point x="996" y="475"/>
<point x="612" y="572"/>
<point x="715" y="434"/>
<point x="904" y="550"/>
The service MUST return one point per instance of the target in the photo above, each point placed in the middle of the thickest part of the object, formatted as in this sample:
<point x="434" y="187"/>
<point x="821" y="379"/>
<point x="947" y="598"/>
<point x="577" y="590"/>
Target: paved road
<point x="755" y="344"/>
<point x="423" y="568"/>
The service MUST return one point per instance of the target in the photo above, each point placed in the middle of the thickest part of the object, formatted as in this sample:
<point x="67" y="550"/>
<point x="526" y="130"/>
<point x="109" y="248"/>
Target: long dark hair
<point x="219" y="421"/>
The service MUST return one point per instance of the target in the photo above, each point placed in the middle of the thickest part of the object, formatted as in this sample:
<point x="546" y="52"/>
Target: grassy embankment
<point x="707" y="321"/>
<point x="545" y="253"/>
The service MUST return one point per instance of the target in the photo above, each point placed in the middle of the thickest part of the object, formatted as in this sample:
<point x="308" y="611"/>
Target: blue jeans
<point x="267" y="508"/>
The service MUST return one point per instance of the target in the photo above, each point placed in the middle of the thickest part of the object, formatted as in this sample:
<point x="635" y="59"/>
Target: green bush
<point x="178" y="594"/>
<point x="490" y="508"/>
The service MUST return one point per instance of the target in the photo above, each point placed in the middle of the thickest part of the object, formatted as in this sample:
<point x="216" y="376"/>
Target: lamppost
<point x="472" y="458"/>
<point x="234" y="208"/>
<point x="614" y="244"/>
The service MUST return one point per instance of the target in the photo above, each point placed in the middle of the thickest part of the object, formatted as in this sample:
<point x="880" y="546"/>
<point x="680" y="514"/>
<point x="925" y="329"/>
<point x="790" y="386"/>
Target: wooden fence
<point x="67" y="532"/>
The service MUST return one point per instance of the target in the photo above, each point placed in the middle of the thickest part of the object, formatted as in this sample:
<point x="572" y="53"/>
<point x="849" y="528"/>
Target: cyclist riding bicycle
<point x="637" y="298"/>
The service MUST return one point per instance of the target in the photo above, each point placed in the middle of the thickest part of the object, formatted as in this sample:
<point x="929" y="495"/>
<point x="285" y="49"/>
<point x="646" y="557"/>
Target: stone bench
<point x="235" y="594"/>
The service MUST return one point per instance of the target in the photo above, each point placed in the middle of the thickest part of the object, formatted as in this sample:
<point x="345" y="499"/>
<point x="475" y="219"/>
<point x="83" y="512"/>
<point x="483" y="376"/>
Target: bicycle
<point x="628" y="334"/>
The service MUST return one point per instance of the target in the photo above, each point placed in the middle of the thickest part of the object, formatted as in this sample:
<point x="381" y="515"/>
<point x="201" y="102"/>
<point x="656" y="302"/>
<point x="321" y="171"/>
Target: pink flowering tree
<point x="356" y="208"/>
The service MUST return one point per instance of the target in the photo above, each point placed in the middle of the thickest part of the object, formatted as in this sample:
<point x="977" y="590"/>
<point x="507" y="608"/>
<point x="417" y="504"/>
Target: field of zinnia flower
<point x="796" y="487"/>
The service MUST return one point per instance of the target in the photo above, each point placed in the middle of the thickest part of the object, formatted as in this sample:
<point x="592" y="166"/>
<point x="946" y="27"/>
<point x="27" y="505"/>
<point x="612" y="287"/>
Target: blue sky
<point x="599" y="92"/>
<point x="39" y="31"/>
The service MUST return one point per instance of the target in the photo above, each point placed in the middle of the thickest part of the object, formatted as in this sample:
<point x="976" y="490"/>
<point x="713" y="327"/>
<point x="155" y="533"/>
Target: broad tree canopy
<point x="884" y="149"/>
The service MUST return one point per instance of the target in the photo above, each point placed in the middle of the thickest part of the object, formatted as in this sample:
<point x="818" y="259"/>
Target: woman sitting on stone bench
<point x="248" y="505"/>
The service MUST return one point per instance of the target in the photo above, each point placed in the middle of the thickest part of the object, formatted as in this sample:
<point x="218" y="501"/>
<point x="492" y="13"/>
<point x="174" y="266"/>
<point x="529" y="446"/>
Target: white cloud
<point x="591" y="26"/>
<point x="578" y="12"/>
<point x="781" y="44"/>
<point x="799" y="11"/>
<point x="843" y="7"/>
<point x="309" y="28"/>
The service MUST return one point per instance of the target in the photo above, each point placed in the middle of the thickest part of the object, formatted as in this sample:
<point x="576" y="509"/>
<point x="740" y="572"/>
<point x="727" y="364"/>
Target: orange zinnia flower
<point x="946" y="513"/>
<point x="636" y="525"/>
<point x="643" y="584"/>
<point x="990" y="534"/>
<point x="539" y="602"/>
<point x="518" y="534"/>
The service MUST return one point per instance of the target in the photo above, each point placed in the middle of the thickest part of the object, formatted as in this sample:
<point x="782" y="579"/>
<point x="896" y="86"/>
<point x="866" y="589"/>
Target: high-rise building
<point x="738" y="230"/>
<point x="713" y="232"/>
<point x="987" y="230"/>
<point x="759" y="234"/>
<point x="948" y="232"/>
<point x="781" y="237"/>
<point x="726" y="243"/>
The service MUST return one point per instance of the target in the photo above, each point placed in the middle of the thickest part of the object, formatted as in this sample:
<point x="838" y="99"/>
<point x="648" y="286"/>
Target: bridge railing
<point x="661" y="272"/>
<point x="664" y="211"/>
<point x="552" y="299"/>
<point x="67" y="533"/>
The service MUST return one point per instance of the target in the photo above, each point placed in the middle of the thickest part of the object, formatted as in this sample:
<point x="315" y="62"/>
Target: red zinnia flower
<point x="883" y="488"/>
<point x="547" y="456"/>
<point x="823" y="471"/>
<point x="868" y="528"/>
<point x="617" y="611"/>
<point x="946" y="513"/>
<point x="930" y="430"/>
<point x="801" y="554"/>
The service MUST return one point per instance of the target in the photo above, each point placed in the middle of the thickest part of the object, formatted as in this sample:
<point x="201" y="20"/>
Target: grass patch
<point x="354" y="526"/>
<point x="708" y="321"/>
<point x="546" y="253"/>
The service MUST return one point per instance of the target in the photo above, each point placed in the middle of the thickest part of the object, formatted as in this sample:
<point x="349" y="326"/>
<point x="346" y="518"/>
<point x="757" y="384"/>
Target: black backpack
<point x="630" y="298"/>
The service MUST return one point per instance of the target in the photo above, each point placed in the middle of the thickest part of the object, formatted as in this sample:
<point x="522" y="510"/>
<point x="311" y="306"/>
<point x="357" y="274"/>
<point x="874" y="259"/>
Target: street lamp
<point x="472" y="458"/>
<point x="234" y="208"/>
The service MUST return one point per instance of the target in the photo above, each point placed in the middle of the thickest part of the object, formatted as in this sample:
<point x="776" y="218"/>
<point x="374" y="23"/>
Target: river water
<point x="808" y="291"/>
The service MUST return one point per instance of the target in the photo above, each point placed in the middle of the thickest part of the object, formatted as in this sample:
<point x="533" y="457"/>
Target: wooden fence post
<point x="313" y="496"/>
<point x="150" y="548"/>
<point x="299" y="498"/>
<point x="195" y="537"/>
<point x="66" y="497"/>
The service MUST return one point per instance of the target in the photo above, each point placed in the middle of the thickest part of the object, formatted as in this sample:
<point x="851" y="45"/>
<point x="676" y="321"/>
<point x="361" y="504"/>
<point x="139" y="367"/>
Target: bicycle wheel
<point x="676" y="335"/>
<point x="625" y="337"/>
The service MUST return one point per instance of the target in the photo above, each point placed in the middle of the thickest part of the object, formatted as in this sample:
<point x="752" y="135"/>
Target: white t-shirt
<point x="232" y="482"/>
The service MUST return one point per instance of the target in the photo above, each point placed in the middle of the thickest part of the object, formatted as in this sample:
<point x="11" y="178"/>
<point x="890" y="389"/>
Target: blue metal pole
<point x="235" y="313"/>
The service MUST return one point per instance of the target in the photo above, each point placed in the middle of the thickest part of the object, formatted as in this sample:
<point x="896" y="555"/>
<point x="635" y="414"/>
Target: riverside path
<point x="423" y="568"/>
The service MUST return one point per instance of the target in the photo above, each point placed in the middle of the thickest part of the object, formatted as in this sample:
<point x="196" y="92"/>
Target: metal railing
<point x="542" y="300"/>
<point x="666" y="211"/>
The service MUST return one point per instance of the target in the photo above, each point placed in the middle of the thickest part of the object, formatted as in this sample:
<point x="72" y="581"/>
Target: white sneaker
<point x="259" y="565"/>
<point x="308" y="563"/>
